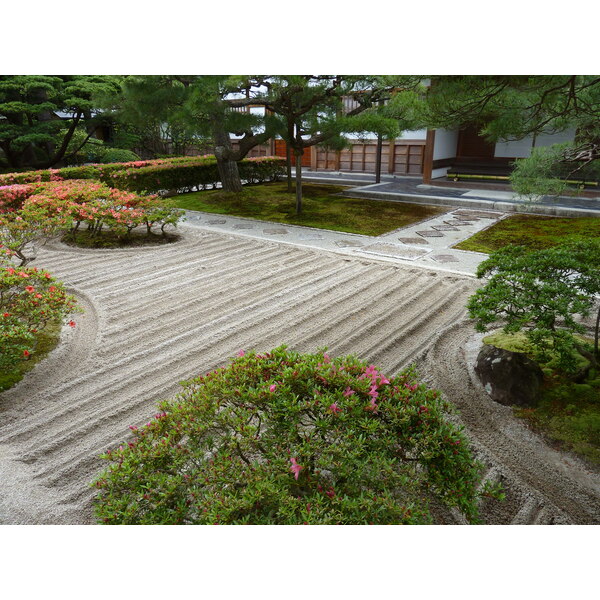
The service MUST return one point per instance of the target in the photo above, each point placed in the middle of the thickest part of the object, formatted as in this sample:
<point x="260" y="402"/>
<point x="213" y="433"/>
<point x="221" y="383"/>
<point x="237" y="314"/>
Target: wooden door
<point x="472" y="145"/>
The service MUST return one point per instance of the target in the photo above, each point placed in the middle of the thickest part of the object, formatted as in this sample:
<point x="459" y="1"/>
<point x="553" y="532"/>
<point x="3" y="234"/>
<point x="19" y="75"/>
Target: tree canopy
<point x="39" y="115"/>
<point x="541" y="292"/>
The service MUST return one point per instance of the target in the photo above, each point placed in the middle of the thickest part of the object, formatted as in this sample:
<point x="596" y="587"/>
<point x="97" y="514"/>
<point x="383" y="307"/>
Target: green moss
<point x="321" y="208"/>
<point x="532" y="231"/>
<point x="107" y="239"/>
<point x="46" y="342"/>
<point x="568" y="413"/>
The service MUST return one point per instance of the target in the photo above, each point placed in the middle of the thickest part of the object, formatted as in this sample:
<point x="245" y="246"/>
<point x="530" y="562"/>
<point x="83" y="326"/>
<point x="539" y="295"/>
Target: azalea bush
<point x="45" y="210"/>
<point x="288" y="438"/>
<point x="30" y="299"/>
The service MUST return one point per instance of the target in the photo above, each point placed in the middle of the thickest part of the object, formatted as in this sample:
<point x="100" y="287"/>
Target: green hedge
<point x="182" y="173"/>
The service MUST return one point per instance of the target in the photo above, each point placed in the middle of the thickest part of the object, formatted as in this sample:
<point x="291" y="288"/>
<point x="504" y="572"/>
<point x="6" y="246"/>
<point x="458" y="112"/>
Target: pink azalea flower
<point x="272" y="388"/>
<point x="295" y="468"/>
<point x="241" y="353"/>
<point x="348" y="392"/>
<point x="334" y="408"/>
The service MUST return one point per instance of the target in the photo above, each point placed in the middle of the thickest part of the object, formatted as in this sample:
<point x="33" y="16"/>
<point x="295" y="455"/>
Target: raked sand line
<point x="155" y="316"/>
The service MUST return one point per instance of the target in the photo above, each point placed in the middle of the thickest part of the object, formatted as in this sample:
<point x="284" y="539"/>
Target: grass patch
<point x="567" y="414"/>
<point x="321" y="208"/>
<point x="46" y="342"/>
<point x="532" y="231"/>
<point x="108" y="239"/>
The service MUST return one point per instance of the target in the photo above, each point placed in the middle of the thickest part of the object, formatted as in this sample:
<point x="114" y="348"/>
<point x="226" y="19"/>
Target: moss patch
<point x="107" y="239"/>
<point x="568" y="414"/>
<point x="532" y="231"/>
<point x="321" y="208"/>
<point x="46" y="342"/>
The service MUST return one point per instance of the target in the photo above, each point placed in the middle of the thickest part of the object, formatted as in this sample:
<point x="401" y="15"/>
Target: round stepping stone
<point x="216" y="221"/>
<point x="445" y="228"/>
<point x="445" y="258"/>
<point x="275" y="231"/>
<point x="348" y="244"/>
<point x="430" y="233"/>
<point x="413" y="240"/>
<point x="243" y="226"/>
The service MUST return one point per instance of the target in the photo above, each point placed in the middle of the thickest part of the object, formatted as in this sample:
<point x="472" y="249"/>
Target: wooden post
<point x="428" y="156"/>
<point x="392" y="157"/>
<point x="378" y="159"/>
<point x="313" y="158"/>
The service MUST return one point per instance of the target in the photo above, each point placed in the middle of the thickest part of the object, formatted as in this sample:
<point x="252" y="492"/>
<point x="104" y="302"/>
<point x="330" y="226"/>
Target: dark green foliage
<point x="541" y="292"/>
<point x="286" y="438"/>
<point x="41" y="114"/>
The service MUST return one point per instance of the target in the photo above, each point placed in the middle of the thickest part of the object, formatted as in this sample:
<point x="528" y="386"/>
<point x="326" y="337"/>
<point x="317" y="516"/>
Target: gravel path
<point x="155" y="316"/>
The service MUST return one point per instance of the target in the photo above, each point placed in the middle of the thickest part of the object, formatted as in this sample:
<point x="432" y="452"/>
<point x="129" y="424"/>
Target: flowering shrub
<point x="13" y="196"/>
<point x="46" y="210"/>
<point x="21" y="231"/>
<point x="286" y="438"/>
<point x="29" y="300"/>
<point x="181" y="173"/>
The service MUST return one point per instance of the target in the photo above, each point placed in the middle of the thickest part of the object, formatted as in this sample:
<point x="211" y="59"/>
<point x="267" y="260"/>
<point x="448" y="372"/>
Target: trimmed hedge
<point x="182" y="173"/>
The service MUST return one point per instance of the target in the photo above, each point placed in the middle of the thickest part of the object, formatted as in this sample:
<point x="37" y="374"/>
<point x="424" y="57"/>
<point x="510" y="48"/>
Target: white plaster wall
<point x="439" y="172"/>
<point x="417" y="134"/>
<point x="514" y="149"/>
<point x="522" y="148"/>
<point x="445" y="144"/>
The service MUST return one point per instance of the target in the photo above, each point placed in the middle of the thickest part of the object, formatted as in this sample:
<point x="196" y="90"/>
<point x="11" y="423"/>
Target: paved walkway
<point x="426" y="244"/>
<point x="412" y="189"/>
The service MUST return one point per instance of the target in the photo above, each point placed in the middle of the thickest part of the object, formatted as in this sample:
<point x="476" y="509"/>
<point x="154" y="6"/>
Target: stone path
<point x="426" y="244"/>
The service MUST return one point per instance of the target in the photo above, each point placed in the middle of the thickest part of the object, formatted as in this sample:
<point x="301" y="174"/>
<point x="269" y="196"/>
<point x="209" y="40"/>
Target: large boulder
<point x="509" y="377"/>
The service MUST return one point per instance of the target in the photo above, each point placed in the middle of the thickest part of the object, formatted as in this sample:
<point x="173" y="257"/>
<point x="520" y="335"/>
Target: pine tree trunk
<point x="230" y="175"/>
<point x="378" y="159"/>
<point x="228" y="169"/>
<point x="597" y="335"/>
<point x="288" y="165"/>
<point x="298" y="182"/>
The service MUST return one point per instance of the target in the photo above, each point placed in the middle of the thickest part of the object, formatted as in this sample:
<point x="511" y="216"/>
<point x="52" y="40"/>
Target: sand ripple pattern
<point x="156" y="316"/>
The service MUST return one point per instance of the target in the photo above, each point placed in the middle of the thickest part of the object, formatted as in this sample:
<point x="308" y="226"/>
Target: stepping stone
<point x="481" y="214"/>
<point x="217" y="221"/>
<point x="349" y="244"/>
<point x="395" y="251"/>
<point x="243" y="226"/>
<point x="445" y="258"/>
<point x="445" y="228"/>
<point x="412" y="240"/>
<point x="458" y="223"/>
<point x="276" y="231"/>
<point x="430" y="233"/>
<point x="310" y="236"/>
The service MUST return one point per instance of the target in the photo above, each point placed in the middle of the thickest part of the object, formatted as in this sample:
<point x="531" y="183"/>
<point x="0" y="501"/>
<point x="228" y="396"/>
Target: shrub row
<point x="181" y="173"/>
